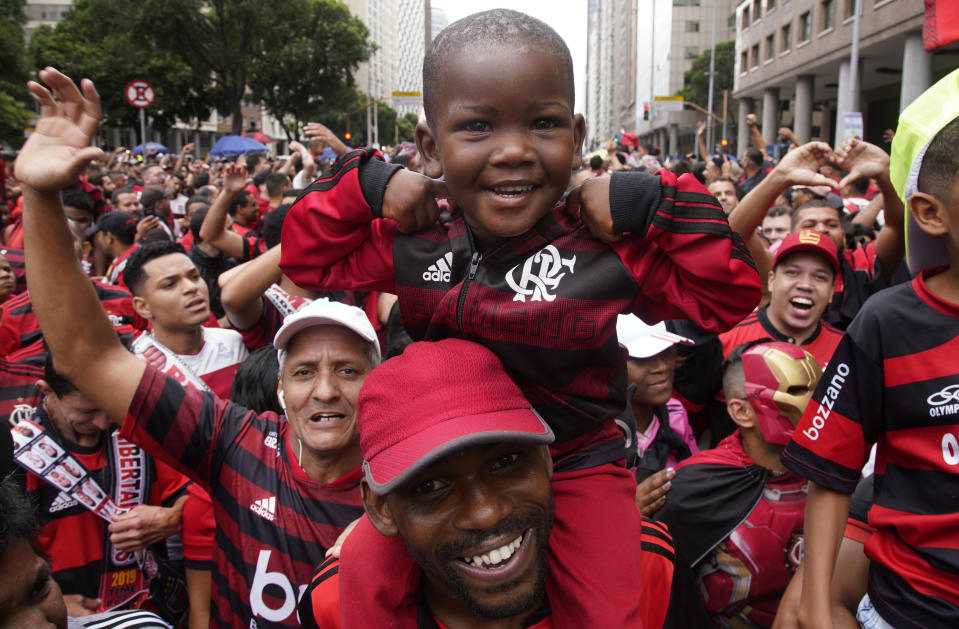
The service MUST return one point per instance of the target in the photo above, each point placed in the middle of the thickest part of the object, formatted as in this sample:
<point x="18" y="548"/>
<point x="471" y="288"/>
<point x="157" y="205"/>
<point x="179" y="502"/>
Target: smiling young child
<point x="538" y="281"/>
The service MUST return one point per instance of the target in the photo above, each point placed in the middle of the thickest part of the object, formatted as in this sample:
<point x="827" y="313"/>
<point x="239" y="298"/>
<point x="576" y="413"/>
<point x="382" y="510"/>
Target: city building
<point x="414" y="35"/>
<point x="641" y="49"/>
<point x="793" y="65"/>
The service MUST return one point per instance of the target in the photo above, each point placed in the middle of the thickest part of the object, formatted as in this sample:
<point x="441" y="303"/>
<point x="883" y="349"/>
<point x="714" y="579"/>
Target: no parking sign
<point x="139" y="93"/>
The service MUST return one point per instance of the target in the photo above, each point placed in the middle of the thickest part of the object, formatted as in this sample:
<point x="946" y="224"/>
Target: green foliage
<point x="107" y="41"/>
<point x="308" y="75"/>
<point x="15" y="109"/>
<point x="295" y="57"/>
<point x="696" y="88"/>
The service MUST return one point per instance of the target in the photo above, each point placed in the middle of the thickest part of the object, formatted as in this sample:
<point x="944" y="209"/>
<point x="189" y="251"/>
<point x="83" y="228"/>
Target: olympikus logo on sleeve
<point x="945" y="402"/>
<point x="439" y="271"/>
<point x="265" y="508"/>
<point x="827" y="402"/>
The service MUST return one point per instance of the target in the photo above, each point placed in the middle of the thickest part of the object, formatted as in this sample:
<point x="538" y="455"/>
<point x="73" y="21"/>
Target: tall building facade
<point x="793" y="64"/>
<point x="640" y="49"/>
<point x="414" y="35"/>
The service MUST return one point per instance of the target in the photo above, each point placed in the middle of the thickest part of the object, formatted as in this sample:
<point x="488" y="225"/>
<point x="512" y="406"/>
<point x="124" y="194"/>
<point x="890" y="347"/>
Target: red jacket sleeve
<point x="679" y="248"/>
<point x="331" y="236"/>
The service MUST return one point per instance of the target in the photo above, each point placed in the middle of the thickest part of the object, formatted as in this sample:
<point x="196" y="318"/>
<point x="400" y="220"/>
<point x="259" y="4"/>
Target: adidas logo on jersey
<point x="265" y="508"/>
<point x="61" y="502"/>
<point x="439" y="271"/>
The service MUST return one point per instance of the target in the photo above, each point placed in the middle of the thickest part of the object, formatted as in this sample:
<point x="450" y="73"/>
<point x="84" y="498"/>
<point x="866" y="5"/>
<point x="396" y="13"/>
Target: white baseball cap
<point x="643" y="341"/>
<point x="326" y="312"/>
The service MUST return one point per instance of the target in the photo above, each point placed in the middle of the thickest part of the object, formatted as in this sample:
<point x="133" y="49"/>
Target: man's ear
<point x="579" y="134"/>
<point x="428" y="150"/>
<point x="741" y="413"/>
<point x="378" y="511"/>
<point x="929" y="212"/>
<point x="45" y="388"/>
<point x="548" y="459"/>
<point x="141" y="308"/>
<point x="85" y="249"/>
<point x="769" y="280"/>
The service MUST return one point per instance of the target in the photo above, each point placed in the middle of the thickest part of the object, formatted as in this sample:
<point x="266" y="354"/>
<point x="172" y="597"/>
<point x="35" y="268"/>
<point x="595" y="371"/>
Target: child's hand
<point x="861" y="159"/>
<point x="58" y="150"/>
<point x="590" y="204"/>
<point x="410" y="200"/>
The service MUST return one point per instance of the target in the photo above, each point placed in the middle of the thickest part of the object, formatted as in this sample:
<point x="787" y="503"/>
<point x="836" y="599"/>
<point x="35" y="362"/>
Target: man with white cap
<point x="282" y="490"/>
<point x="657" y="428"/>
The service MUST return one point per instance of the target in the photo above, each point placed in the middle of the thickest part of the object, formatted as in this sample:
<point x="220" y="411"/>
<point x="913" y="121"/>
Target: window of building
<point x="746" y="19"/>
<point x="755" y="56"/>
<point x="770" y="5"/>
<point x="692" y="52"/>
<point x="828" y="14"/>
<point x="850" y="9"/>
<point x="743" y="61"/>
<point x="805" y="26"/>
<point x="785" y="38"/>
<point x="692" y="26"/>
<point x="770" y="47"/>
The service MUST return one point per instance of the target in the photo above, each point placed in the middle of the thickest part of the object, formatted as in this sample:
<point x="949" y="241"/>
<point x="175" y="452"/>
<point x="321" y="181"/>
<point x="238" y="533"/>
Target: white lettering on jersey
<point x="262" y="578"/>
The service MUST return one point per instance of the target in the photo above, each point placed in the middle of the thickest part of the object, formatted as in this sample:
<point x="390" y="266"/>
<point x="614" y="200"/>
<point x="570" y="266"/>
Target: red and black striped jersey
<point x="860" y="276"/>
<point x="72" y="536"/>
<point x="20" y="336"/>
<point x="274" y="524"/>
<point x="894" y="381"/>
<point x="320" y="604"/>
<point x="545" y="301"/>
<point x="18" y="389"/>
<point x="821" y="344"/>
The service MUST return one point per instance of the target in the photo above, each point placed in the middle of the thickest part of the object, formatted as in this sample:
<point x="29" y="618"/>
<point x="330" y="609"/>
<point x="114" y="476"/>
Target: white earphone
<point x="279" y="396"/>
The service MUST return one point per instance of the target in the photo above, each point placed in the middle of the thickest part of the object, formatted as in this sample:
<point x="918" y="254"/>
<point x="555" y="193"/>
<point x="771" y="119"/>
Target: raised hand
<point x="700" y="127"/>
<point x="410" y="200"/>
<point x="59" y="148"/>
<point x="234" y="177"/>
<point x="801" y="165"/>
<point x="861" y="159"/>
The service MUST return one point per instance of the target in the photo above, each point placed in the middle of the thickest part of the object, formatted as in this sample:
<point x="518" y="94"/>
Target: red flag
<point x="941" y="25"/>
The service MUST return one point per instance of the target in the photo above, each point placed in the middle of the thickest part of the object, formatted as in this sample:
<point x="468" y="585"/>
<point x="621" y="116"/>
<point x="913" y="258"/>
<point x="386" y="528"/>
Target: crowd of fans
<point x="459" y="383"/>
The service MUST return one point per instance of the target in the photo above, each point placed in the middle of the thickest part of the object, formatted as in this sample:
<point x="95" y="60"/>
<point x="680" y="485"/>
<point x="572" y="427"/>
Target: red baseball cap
<point x="435" y="399"/>
<point x="808" y="240"/>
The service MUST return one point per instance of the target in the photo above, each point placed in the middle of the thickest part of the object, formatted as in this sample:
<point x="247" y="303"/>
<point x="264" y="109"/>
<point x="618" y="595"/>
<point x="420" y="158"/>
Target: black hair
<point x="253" y="160"/>
<point x="499" y="29"/>
<point x="699" y="171"/>
<point x="238" y="200"/>
<point x="273" y="225"/>
<point x="115" y="195"/>
<point x="61" y="386"/>
<point x="778" y="210"/>
<point x="96" y="179"/>
<point x="254" y="385"/>
<point x="200" y="180"/>
<point x="812" y="203"/>
<point x="133" y="274"/>
<point x="260" y="177"/>
<point x="196" y="222"/>
<point x="157" y="234"/>
<point x="858" y="235"/>
<point x="275" y="182"/>
<point x="860" y="186"/>
<point x="940" y="164"/>
<point x="595" y="162"/>
<point x="734" y="362"/>
<point x="75" y="197"/>
<point x="679" y="167"/>
<point x="17" y="518"/>
<point x="755" y="157"/>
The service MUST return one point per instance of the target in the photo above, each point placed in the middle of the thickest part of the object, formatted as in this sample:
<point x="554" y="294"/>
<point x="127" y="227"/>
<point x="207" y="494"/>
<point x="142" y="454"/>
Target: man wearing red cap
<point x="801" y="286"/>
<point x="464" y="480"/>
<point x="735" y="511"/>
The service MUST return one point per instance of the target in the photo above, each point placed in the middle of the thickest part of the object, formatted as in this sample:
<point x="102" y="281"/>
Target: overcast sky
<point x="568" y="18"/>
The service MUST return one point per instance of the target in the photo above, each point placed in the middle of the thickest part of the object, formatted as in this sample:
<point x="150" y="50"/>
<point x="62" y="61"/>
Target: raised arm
<point x="826" y="513"/>
<point x="83" y="343"/>
<point x="863" y="159"/>
<point x="241" y="292"/>
<point x="799" y="166"/>
<point x="213" y="230"/>
<point x="186" y="150"/>
<point x="787" y="134"/>
<point x="308" y="163"/>
<point x="701" y="140"/>
<point x="755" y="133"/>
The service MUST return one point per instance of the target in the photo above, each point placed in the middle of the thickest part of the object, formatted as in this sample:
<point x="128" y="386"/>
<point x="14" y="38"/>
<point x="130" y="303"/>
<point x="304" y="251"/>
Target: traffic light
<point x="724" y="143"/>
<point x="348" y="135"/>
<point x="646" y="111"/>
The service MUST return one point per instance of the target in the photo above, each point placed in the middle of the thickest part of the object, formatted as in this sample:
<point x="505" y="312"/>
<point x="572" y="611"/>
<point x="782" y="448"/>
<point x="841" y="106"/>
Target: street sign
<point x="669" y="103"/>
<point x="407" y="99"/>
<point x="139" y="93"/>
